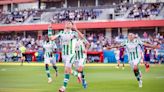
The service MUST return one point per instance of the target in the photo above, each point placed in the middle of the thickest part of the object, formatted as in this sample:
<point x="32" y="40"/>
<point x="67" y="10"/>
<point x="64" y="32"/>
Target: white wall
<point x="108" y="33"/>
<point x="22" y="6"/>
<point x="5" y="8"/>
<point x="125" y="31"/>
<point x="151" y="1"/>
<point x="148" y="1"/>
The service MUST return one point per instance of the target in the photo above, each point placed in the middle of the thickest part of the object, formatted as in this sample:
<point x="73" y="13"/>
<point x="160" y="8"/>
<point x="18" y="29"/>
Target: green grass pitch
<point x="15" y="78"/>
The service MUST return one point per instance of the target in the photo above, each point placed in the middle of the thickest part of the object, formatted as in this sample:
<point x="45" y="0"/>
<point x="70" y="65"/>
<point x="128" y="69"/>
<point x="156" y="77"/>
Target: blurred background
<point x="103" y="22"/>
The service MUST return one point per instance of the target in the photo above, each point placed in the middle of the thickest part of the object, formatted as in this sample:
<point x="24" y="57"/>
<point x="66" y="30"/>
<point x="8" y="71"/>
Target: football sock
<point x="55" y="67"/>
<point x="47" y="71"/>
<point x="83" y="75"/>
<point x="137" y="74"/>
<point x="66" y="79"/>
<point x="74" y="73"/>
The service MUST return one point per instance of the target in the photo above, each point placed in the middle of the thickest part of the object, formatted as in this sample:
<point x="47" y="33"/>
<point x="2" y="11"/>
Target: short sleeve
<point x="140" y="42"/>
<point x="54" y="44"/>
<point x="59" y="34"/>
<point x="85" y="40"/>
<point x="75" y="34"/>
<point x="124" y="42"/>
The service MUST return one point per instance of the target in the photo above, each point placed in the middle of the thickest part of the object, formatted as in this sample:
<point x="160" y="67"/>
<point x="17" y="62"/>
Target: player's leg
<point x="118" y="62"/>
<point x="137" y="72"/>
<point x="80" y="69"/>
<point x="53" y="62"/>
<point x="123" y="63"/>
<point x="47" y="61"/>
<point x="22" y="59"/>
<point x="56" y="69"/>
<point x="68" y="68"/>
<point x="147" y="60"/>
<point x="75" y="72"/>
<point x="66" y="79"/>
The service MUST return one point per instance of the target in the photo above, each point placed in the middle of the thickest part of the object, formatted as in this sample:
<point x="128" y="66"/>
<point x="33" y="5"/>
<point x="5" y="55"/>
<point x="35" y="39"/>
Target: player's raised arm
<point x="146" y="44"/>
<point x="150" y="45"/>
<point x="81" y="36"/>
<point x="52" y="37"/>
<point x="115" y="46"/>
<point x="79" y="33"/>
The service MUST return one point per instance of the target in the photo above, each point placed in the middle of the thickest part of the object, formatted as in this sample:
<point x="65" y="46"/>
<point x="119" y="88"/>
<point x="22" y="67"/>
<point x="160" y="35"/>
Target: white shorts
<point x="79" y="63"/>
<point x="134" y="63"/>
<point x="68" y="60"/>
<point x="48" y="60"/>
<point x="117" y="58"/>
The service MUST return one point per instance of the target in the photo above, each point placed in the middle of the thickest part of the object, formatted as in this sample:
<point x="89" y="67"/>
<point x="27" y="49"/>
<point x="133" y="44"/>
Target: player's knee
<point x="135" y="68"/>
<point x="68" y="70"/>
<point x="46" y="66"/>
<point x="80" y="69"/>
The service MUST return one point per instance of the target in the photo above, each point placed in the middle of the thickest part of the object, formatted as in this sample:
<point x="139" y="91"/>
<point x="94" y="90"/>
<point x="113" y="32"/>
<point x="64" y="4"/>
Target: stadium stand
<point x="149" y="10"/>
<point x="57" y="15"/>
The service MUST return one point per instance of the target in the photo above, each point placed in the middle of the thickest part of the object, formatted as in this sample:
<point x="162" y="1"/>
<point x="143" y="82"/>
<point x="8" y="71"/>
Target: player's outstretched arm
<point x="79" y="33"/>
<point x="114" y="46"/>
<point x="150" y="45"/>
<point x="53" y="37"/>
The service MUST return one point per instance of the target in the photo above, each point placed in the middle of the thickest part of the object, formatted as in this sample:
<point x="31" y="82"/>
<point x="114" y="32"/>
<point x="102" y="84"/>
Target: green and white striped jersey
<point x="66" y="38"/>
<point x="79" y="49"/>
<point x="132" y="48"/>
<point x="48" y="48"/>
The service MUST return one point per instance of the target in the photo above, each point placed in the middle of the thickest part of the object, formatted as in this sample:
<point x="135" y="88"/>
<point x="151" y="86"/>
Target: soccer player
<point x="132" y="44"/>
<point x="22" y="49"/>
<point x="49" y="47"/>
<point x="68" y="48"/>
<point x="116" y="52"/>
<point x="119" y="55"/>
<point x="80" y="60"/>
<point x="147" y="58"/>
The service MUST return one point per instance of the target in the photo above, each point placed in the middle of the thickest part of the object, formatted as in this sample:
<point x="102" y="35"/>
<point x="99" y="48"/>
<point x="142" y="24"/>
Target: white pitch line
<point x="3" y="69"/>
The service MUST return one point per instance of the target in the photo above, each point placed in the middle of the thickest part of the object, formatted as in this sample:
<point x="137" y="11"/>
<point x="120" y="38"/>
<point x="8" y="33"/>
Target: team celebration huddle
<point x="74" y="53"/>
<point x="81" y="45"/>
<point x="74" y="48"/>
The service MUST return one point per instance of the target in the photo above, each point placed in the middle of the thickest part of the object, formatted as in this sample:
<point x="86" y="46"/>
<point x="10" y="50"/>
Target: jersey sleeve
<point x="123" y="43"/>
<point x="76" y="34"/>
<point x="140" y="42"/>
<point x="58" y="34"/>
<point x="54" y="45"/>
<point x="85" y="41"/>
<point x="49" y="32"/>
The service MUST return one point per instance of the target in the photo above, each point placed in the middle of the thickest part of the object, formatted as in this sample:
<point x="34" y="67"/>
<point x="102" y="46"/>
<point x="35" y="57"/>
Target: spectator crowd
<point x="76" y="15"/>
<point x="98" y="41"/>
<point x="137" y="11"/>
<point x="147" y="10"/>
<point x="17" y="16"/>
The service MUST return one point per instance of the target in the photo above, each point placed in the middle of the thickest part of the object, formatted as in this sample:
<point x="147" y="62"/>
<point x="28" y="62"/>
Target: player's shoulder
<point x="52" y="42"/>
<point x="125" y="41"/>
<point x="137" y="40"/>
<point x="61" y="32"/>
<point x="73" y="32"/>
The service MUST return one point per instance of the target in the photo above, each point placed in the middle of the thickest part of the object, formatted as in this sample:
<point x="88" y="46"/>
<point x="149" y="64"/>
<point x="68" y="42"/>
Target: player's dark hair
<point x="70" y="21"/>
